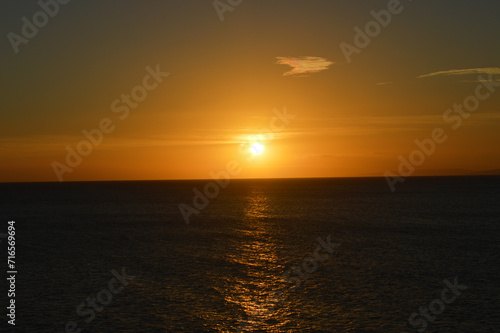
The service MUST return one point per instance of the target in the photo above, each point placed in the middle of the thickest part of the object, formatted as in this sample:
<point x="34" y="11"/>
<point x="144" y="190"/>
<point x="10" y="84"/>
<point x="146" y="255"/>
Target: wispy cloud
<point x="304" y="65"/>
<point x="470" y="71"/>
<point x="324" y="155"/>
<point x="372" y="126"/>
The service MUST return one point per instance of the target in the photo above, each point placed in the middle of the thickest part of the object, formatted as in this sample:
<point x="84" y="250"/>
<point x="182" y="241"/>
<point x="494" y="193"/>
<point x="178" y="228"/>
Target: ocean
<point x="280" y="255"/>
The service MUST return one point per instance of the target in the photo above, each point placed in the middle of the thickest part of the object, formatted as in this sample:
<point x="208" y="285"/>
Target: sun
<point x="256" y="148"/>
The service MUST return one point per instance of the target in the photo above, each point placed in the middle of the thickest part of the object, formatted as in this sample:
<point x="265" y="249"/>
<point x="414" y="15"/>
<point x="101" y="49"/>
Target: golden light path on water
<point x="254" y="293"/>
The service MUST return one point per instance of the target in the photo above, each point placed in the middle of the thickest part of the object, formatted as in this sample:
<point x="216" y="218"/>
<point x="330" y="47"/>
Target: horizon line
<point x="256" y="178"/>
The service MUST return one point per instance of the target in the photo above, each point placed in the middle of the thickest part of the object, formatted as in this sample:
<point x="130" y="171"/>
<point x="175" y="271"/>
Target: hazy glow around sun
<point x="257" y="148"/>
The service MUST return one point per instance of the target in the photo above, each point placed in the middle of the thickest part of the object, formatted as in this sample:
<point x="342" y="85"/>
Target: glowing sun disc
<point x="257" y="148"/>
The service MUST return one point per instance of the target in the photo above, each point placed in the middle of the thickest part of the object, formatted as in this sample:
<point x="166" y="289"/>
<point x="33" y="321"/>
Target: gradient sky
<point x="226" y="78"/>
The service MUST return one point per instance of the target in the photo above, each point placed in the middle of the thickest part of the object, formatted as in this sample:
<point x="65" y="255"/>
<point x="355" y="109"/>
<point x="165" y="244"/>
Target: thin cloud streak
<point x="304" y="65"/>
<point x="470" y="71"/>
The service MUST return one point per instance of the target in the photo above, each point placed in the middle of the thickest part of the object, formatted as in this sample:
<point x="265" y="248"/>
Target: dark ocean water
<point x="224" y="271"/>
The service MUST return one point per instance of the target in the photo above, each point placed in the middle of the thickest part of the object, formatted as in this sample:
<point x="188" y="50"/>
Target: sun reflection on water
<point x="256" y="251"/>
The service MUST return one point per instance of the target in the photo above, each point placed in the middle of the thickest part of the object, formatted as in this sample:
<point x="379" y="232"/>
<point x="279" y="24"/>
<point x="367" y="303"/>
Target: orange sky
<point x="228" y="80"/>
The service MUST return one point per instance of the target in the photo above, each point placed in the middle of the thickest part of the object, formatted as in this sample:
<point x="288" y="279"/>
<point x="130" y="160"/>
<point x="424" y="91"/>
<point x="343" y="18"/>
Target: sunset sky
<point x="229" y="81"/>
